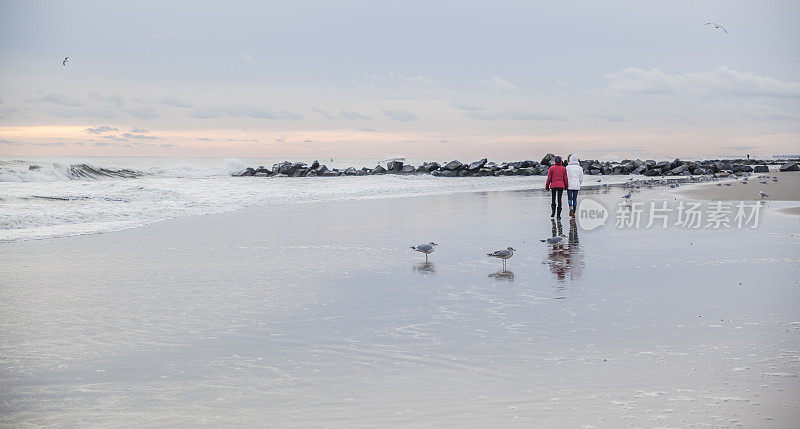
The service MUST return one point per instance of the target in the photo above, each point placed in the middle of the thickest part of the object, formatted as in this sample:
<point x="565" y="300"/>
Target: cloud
<point x="247" y="57"/>
<point x="159" y="36"/>
<point x="107" y="99"/>
<point x="141" y="112"/>
<point x="322" y="112"/>
<point x="101" y="129"/>
<point x="102" y="144"/>
<point x="168" y="145"/>
<point x="82" y="112"/>
<point x="113" y="137"/>
<point x="500" y="83"/>
<point x="48" y="144"/>
<point x="368" y="130"/>
<point x="206" y="139"/>
<point x="9" y="143"/>
<point x="239" y="111"/>
<point x="740" y="148"/>
<point x="175" y="102"/>
<point x="139" y="130"/>
<point x="400" y="115"/>
<point x="719" y="82"/>
<point x="469" y="107"/>
<point x="515" y="114"/>
<point x="138" y="136"/>
<point x="613" y="117"/>
<point x="57" y="99"/>
<point x="347" y="114"/>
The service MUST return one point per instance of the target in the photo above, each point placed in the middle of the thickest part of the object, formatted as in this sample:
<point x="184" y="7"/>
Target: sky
<point x="420" y="79"/>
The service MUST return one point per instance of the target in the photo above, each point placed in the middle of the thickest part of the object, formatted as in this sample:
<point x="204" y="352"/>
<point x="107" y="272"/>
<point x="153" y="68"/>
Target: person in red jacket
<point x="556" y="183"/>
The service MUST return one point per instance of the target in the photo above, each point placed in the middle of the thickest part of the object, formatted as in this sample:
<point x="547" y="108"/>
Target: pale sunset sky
<point x="421" y="79"/>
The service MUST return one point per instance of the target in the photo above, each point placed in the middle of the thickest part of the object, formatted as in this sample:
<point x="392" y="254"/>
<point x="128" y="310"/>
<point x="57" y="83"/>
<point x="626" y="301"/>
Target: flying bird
<point x="717" y="26"/>
<point x="426" y="248"/>
<point x="66" y="59"/>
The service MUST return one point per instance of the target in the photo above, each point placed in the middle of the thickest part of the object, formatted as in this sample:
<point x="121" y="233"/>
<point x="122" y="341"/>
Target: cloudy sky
<point x="422" y="79"/>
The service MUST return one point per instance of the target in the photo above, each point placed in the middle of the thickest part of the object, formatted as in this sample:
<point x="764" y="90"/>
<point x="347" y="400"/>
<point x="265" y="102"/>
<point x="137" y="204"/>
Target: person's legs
<point x="553" y="202"/>
<point x="560" y="195"/>
<point x="572" y="200"/>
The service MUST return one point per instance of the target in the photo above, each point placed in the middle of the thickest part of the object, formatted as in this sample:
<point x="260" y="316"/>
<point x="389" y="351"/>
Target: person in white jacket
<point x="575" y="178"/>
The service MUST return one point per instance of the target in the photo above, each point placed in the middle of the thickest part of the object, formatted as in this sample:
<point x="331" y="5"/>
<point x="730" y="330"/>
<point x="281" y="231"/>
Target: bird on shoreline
<point x="717" y="26"/>
<point x="66" y="60"/>
<point x="762" y="194"/>
<point x="558" y="240"/>
<point x="627" y="196"/>
<point x="503" y="254"/>
<point x="426" y="248"/>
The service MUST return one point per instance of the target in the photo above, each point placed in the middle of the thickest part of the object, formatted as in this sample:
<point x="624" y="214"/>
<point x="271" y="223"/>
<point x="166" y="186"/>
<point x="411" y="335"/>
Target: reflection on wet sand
<point x="425" y="267"/>
<point x="503" y="275"/>
<point x="566" y="259"/>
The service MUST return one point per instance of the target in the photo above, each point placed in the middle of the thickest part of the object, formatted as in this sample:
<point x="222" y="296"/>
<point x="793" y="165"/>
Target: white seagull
<point x="66" y="60"/>
<point x="426" y="248"/>
<point x="502" y="254"/>
<point x="717" y="26"/>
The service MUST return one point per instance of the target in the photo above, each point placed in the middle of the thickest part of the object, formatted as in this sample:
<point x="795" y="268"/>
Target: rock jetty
<point x="482" y="167"/>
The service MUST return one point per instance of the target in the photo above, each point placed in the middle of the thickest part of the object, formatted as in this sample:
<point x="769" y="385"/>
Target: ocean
<point x="57" y="196"/>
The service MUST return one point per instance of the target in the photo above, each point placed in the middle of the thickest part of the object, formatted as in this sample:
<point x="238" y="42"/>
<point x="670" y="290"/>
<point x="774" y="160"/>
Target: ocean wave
<point x="27" y="172"/>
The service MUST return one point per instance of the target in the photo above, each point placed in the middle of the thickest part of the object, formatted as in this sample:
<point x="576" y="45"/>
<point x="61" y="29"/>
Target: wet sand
<point x="320" y="315"/>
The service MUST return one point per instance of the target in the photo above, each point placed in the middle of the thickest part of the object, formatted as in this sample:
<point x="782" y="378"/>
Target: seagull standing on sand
<point x="717" y="26"/>
<point x="502" y="254"/>
<point x="426" y="248"/>
<point x="66" y="60"/>
<point x="762" y="194"/>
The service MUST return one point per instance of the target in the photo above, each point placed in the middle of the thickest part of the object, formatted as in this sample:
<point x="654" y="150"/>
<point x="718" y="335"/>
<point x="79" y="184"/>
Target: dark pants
<point x="572" y="198"/>
<point x="557" y="194"/>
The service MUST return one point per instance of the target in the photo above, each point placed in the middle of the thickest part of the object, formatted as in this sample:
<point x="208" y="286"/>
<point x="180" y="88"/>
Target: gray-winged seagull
<point x="426" y="248"/>
<point x="502" y="254"/>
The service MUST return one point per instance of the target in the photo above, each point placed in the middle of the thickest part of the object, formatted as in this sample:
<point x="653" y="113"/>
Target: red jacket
<point x="557" y="177"/>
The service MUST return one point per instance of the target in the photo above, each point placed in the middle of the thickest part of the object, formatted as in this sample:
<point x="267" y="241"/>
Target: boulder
<point x="790" y="166"/>
<point x="428" y="167"/>
<point x="477" y="165"/>
<point x="679" y="170"/>
<point x="453" y="165"/>
<point x="321" y="169"/>
<point x="663" y="166"/>
<point x="527" y="171"/>
<point x="314" y="165"/>
<point x="350" y="171"/>
<point x="281" y="168"/>
<point x="594" y="172"/>
<point x="445" y="173"/>
<point x="653" y="172"/>
<point x="395" y="166"/>
<point x="408" y="169"/>
<point x="484" y="172"/>
<point x="379" y="170"/>
<point x="548" y="159"/>
<point x="640" y="169"/>
<point x="760" y="169"/>
<point x="331" y="173"/>
<point x="312" y="173"/>
<point x="675" y="164"/>
<point x="741" y="168"/>
<point x="722" y="174"/>
<point x="247" y="172"/>
<point x="607" y="170"/>
<point x="300" y="172"/>
<point x="261" y="174"/>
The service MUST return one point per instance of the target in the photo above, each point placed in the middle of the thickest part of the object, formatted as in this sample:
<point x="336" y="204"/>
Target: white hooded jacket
<point x="574" y="173"/>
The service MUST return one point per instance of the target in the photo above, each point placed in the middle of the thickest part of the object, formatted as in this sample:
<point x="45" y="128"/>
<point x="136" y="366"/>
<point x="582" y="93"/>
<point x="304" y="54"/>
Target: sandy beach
<point x="320" y="315"/>
<point x="787" y="188"/>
